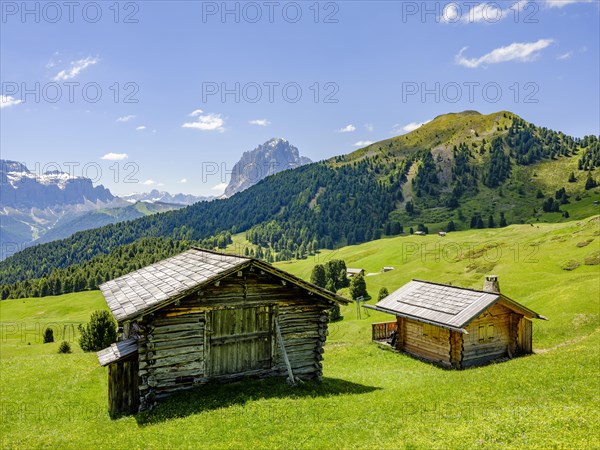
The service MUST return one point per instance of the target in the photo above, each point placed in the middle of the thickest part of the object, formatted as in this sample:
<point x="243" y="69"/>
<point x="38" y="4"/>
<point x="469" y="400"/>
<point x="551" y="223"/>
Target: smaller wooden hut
<point x="455" y="327"/>
<point x="202" y="316"/>
<point x="351" y="272"/>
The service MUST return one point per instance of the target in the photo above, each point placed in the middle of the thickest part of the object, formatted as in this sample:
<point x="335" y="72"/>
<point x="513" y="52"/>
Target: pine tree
<point x="318" y="276"/>
<point x="590" y="183"/>
<point x="502" y="220"/>
<point x="358" y="287"/>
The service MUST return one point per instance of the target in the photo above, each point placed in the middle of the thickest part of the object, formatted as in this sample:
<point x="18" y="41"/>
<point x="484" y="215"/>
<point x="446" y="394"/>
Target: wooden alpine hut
<point x="453" y="326"/>
<point x="202" y="316"/>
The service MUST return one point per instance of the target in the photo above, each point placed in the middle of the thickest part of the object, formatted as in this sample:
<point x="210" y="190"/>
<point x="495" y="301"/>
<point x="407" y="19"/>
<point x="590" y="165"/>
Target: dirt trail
<point x="563" y="344"/>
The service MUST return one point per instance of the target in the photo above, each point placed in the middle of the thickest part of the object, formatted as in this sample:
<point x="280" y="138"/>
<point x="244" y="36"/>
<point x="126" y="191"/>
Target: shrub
<point x="335" y="314"/>
<point x="48" y="335"/>
<point x="99" y="333"/>
<point x="383" y="292"/>
<point x="64" y="347"/>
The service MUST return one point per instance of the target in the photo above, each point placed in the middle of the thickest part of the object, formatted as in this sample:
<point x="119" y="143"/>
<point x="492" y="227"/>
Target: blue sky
<point x="125" y="92"/>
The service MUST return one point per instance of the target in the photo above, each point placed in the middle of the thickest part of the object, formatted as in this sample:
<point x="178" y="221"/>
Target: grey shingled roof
<point x="160" y="283"/>
<point x="448" y="306"/>
<point x="117" y="351"/>
<point x="136" y="292"/>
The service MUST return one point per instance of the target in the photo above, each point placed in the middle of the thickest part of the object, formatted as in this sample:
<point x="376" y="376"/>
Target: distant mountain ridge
<point x="459" y="171"/>
<point x="155" y="196"/>
<point x="19" y="188"/>
<point x="39" y="208"/>
<point x="272" y="157"/>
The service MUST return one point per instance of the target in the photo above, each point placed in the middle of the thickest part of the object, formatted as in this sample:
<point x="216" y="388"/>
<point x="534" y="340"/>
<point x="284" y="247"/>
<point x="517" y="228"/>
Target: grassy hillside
<point x="463" y="167"/>
<point x="371" y="397"/>
<point x="552" y="268"/>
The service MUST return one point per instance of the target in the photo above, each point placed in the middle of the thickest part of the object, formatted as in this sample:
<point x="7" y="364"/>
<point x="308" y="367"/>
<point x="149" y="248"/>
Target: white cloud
<point x="75" y="69"/>
<point x="149" y="182"/>
<point x="347" y="129"/>
<point x="563" y="3"/>
<point x="450" y="13"/>
<point x="219" y="187"/>
<point x="362" y="143"/>
<point x="140" y="128"/>
<point x="206" y="122"/>
<point x="196" y="112"/>
<point x="481" y="12"/>
<point x="517" y="51"/>
<point x="369" y="127"/>
<point x="566" y="55"/>
<point x="53" y="62"/>
<point x="125" y="118"/>
<point x="260" y="122"/>
<point x="402" y="129"/>
<point x="160" y="184"/>
<point x="6" y="101"/>
<point x="115" y="156"/>
<point x="183" y="180"/>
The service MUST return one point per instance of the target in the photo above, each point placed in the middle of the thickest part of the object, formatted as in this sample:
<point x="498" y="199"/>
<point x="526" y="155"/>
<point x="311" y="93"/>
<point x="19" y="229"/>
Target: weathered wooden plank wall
<point x="434" y="346"/>
<point x="226" y="332"/>
<point x="524" y="338"/>
<point x="489" y="336"/>
<point x="123" y="393"/>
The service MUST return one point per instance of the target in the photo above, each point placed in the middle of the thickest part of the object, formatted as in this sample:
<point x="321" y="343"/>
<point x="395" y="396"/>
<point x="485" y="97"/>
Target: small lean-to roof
<point x="117" y="351"/>
<point x="444" y="305"/>
<point x="161" y="283"/>
<point x="350" y="270"/>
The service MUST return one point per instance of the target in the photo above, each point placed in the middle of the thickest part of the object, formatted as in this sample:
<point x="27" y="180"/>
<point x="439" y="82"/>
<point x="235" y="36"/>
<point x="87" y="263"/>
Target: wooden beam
<point x="291" y="380"/>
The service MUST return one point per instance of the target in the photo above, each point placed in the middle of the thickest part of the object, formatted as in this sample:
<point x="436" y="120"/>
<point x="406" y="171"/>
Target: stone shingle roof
<point x="136" y="292"/>
<point x="117" y="351"/>
<point x="160" y="283"/>
<point x="448" y="306"/>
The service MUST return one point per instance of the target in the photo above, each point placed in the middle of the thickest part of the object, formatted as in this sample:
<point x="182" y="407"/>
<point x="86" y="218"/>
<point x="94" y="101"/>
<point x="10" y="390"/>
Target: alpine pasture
<point x="371" y="397"/>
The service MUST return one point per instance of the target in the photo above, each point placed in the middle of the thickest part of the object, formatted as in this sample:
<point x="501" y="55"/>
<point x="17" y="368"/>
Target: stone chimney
<point x="491" y="284"/>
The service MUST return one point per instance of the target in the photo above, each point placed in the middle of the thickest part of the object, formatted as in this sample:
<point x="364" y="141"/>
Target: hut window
<point x="486" y="333"/>
<point x="490" y="332"/>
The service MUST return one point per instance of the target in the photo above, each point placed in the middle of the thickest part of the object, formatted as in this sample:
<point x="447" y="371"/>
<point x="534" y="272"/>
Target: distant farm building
<point x="202" y="316"/>
<point x="387" y="268"/>
<point x="455" y="327"/>
<point x="352" y="272"/>
<point x="420" y="233"/>
<point x="442" y="233"/>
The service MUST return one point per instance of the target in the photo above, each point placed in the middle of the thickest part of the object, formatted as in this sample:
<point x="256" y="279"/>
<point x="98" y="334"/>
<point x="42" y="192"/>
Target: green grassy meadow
<point x="371" y="397"/>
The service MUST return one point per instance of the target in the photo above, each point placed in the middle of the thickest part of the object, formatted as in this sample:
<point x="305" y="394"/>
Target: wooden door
<point x="240" y="340"/>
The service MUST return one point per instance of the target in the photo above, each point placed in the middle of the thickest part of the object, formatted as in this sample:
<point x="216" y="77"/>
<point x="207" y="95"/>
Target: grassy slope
<point x="525" y="257"/>
<point x="371" y="397"/>
<point x="443" y="133"/>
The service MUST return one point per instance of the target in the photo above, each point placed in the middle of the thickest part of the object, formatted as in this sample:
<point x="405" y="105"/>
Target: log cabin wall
<point x="490" y="336"/>
<point x="456" y="349"/>
<point x="400" y="332"/>
<point x="226" y="331"/>
<point x="426" y="341"/>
